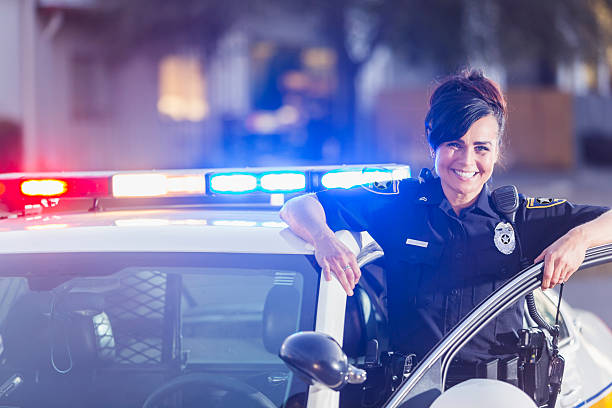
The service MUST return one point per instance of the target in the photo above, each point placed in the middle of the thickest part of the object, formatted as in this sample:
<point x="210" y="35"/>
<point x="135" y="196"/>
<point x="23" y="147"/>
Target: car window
<point x="233" y="309"/>
<point x="132" y="322"/>
<point x="548" y="310"/>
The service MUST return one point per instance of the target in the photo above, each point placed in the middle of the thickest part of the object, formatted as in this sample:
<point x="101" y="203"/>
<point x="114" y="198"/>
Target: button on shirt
<point x="441" y="265"/>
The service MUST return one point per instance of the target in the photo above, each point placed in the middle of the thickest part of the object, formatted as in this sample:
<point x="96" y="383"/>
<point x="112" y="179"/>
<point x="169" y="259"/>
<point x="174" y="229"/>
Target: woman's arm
<point x="306" y="218"/>
<point x="564" y="256"/>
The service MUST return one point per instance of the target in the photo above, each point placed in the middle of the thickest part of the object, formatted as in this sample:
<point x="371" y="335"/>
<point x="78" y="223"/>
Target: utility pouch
<point x="534" y="364"/>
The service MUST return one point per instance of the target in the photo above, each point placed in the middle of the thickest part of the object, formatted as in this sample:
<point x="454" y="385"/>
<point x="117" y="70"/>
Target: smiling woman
<point x="447" y="245"/>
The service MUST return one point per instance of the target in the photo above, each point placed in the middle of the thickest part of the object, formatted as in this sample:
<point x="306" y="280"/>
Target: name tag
<point x="416" y="242"/>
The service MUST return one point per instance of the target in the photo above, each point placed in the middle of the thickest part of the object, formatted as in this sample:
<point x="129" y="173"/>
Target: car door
<point x="427" y="381"/>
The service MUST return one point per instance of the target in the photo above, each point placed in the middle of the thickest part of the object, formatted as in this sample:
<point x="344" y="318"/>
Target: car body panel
<point x="174" y="230"/>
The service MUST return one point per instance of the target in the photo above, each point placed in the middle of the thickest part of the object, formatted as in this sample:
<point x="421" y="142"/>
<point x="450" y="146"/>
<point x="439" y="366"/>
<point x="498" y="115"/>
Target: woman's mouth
<point x="466" y="175"/>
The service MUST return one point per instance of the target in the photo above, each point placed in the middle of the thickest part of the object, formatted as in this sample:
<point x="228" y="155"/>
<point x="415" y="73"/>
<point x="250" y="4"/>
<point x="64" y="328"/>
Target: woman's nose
<point x="466" y="156"/>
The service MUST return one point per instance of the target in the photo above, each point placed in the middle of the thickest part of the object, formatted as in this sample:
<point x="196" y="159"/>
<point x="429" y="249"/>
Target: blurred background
<point x="142" y="84"/>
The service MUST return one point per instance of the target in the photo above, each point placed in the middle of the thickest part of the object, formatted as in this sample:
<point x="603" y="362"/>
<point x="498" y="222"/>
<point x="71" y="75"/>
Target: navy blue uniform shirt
<point x="440" y="265"/>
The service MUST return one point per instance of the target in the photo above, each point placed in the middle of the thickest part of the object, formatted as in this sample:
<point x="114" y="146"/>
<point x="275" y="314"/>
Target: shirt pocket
<point x="421" y="252"/>
<point x="491" y="262"/>
<point x="420" y="270"/>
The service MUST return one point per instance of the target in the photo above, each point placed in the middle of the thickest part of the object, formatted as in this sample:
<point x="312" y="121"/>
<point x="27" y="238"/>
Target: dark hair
<point x="458" y="102"/>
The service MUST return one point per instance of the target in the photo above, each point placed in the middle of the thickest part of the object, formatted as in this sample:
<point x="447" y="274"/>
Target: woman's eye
<point x="482" y="149"/>
<point x="454" y="145"/>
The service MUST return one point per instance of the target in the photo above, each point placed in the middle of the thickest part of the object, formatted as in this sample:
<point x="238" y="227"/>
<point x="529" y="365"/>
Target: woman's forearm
<point x="306" y="218"/>
<point x="598" y="231"/>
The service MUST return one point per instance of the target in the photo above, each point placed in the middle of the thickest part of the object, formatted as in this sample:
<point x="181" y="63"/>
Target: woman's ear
<point x="432" y="153"/>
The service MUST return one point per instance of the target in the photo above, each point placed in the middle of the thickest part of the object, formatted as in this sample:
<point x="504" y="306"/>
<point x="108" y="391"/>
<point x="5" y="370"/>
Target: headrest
<point x="481" y="392"/>
<point x="280" y="316"/>
<point x="61" y="332"/>
<point x="355" y="334"/>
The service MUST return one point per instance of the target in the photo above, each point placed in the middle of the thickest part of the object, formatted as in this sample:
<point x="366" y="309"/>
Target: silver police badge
<point x="504" y="238"/>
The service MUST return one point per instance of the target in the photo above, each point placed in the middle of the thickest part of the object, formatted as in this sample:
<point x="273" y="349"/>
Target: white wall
<point x="130" y="134"/>
<point x="10" y="78"/>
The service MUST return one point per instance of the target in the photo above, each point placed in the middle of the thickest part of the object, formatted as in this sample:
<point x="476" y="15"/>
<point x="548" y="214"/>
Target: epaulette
<point x="540" y="202"/>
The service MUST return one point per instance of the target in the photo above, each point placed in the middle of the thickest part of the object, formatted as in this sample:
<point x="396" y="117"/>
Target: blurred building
<point x="265" y="96"/>
<point x="257" y="100"/>
<point x="80" y="109"/>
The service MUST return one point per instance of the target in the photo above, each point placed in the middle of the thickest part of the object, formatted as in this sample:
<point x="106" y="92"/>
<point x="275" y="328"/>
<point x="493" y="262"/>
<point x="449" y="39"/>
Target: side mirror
<point x="317" y="357"/>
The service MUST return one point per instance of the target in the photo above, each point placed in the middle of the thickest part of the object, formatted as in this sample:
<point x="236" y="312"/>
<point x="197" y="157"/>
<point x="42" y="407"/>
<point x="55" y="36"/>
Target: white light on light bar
<point x="192" y="184"/>
<point x="43" y="187"/>
<point x="352" y="178"/>
<point x="157" y="185"/>
<point x="285" y="182"/>
<point x="233" y="183"/>
<point x="139" y="185"/>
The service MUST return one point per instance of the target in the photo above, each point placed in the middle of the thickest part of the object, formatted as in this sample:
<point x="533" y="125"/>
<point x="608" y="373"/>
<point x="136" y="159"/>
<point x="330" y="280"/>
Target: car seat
<point x="280" y="316"/>
<point x="56" y="341"/>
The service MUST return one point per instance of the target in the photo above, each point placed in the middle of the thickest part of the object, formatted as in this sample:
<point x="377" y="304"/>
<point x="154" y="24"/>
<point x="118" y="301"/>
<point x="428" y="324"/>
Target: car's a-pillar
<point x="331" y="306"/>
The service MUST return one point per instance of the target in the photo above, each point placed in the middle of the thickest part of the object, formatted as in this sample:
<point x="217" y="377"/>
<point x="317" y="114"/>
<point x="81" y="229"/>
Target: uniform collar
<point x="485" y="203"/>
<point x="434" y="195"/>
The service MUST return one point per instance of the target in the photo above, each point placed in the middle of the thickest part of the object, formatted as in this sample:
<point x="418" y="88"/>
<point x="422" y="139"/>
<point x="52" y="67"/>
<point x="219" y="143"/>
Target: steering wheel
<point x="251" y="396"/>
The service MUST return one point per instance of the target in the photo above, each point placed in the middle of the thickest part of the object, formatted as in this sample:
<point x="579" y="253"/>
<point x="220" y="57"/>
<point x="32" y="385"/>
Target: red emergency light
<point x="21" y="191"/>
<point x="95" y="187"/>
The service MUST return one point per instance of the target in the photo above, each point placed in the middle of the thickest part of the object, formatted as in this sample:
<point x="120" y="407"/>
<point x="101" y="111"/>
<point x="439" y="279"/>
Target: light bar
<point x="233" y="183"/>
<point x="351" y="177"/>
<point x="36" y="192"/>
<point x="267" y="182"/>
<point x="283" y="182"/>
<point x="157" y="185"/>
<point x="59" y="185"/>
<point x="47" y="188"/>
<point x="139" y="185"/>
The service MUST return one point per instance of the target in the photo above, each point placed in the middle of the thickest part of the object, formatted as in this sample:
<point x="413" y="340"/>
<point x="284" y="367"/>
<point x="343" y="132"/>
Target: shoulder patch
<point x="541" y="202"/>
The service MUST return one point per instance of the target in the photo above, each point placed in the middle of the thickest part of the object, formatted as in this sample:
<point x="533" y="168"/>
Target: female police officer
<point x="446" y="245"/>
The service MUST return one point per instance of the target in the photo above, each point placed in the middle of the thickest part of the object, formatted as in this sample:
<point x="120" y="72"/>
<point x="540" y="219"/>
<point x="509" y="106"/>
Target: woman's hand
<point x="306" y="218"/>
<point x="333" y="256"/>
<point x="563" y="257"/>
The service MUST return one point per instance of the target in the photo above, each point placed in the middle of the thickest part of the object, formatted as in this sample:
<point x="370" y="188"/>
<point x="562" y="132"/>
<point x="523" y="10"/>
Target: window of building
<point x="182" y="89"/>
<point x="90" y="91"/>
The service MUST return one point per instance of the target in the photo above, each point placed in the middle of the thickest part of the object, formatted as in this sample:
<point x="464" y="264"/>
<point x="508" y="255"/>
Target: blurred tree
<point x="445" y="34"/>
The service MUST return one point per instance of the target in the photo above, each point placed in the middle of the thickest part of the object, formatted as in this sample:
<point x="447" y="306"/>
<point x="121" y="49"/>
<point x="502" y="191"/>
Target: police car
<point x="184" y="288"/>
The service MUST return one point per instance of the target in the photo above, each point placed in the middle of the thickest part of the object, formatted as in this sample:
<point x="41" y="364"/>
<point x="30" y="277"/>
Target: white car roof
<point x="182" y="230"/>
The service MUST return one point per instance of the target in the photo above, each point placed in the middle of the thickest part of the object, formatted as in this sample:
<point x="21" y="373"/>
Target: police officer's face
<point x="465" y="165"/>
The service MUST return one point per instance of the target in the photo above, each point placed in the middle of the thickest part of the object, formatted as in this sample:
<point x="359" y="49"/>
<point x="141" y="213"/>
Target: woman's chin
<point x="468" y="187"/>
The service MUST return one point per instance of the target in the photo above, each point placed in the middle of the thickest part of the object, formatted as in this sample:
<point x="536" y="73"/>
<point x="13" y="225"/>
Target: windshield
<point x="110" y="329"/>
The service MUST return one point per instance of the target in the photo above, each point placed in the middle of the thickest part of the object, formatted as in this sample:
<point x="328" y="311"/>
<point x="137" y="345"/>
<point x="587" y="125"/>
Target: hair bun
<point x="475" y="75"/>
